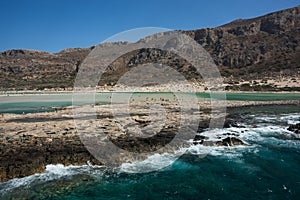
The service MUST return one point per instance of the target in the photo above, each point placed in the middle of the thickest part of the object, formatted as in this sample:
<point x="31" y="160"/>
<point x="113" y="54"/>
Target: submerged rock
<point x="228" y="141"/>
<point x="294" y="128"/>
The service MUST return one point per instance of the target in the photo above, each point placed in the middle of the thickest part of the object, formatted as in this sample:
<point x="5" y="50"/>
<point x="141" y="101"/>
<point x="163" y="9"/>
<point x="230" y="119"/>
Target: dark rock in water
<point x="230" y="141"/>
<point x="231" y="134"/>
<point x="294" y="128"/>
<point x="226" y="124"/>
<point x="237" y="125"/>
<point x="199" y="139"/>
<point x="198" y="142"/>
<point x="231" y="123"/>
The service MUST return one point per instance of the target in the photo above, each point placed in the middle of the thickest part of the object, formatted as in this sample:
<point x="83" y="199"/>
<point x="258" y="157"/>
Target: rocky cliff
<point x="259" y="48"/>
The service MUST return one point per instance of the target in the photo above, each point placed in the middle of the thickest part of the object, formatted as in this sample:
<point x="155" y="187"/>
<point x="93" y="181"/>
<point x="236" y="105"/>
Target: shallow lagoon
<point x="42" y="102"/>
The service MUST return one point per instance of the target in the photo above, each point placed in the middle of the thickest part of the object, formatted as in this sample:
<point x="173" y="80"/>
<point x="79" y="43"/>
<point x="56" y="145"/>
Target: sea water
<point x="266" y="168"/>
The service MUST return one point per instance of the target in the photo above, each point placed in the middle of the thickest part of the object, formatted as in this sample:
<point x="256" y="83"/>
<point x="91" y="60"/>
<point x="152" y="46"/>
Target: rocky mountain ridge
<point x="259" y="48"/>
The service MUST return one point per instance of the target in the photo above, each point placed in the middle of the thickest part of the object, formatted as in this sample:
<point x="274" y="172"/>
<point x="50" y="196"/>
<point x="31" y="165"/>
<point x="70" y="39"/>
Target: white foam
<point x="52" y="172"/>
<point x="286" y="118"/>
<point x="161" y="161"/>
<point x="291" y="118"/>
<point x="247" y="134"/>
<point x="58" y="169"/>
<point x="152" y="163"/>
<point x="253" y="137"/>
<point x="224" y="151"/>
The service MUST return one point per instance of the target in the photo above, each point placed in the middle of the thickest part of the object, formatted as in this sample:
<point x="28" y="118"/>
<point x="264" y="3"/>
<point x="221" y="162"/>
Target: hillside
<point x="262" y="48"/>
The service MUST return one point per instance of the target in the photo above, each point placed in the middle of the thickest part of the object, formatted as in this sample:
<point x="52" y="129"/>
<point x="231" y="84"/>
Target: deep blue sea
<point x="267" y="168"/>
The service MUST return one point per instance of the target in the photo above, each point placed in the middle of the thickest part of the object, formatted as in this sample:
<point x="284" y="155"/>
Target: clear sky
<point x="53" y="25"/>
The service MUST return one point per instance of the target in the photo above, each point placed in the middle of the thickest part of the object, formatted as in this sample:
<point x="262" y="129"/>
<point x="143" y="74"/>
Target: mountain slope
<point x="261" y="48"/>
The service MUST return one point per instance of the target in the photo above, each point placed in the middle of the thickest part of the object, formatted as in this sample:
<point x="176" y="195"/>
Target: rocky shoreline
<point x="29" y="142"/>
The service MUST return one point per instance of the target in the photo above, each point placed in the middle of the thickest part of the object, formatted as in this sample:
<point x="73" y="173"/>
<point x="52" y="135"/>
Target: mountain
<point x="266" y="47"/>
<point x="261" y="46"/>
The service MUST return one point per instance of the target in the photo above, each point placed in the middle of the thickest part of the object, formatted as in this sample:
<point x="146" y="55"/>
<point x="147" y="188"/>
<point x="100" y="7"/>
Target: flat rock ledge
<point x="25" y="156"/>
<point x="30" y="142"/>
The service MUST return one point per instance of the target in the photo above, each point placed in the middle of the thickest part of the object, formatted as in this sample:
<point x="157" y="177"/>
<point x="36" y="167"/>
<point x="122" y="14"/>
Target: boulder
<point x="230" y="141"/>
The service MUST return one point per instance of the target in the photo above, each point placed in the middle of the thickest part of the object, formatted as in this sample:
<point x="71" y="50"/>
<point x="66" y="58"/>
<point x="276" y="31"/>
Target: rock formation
<point x="294" y="128"/>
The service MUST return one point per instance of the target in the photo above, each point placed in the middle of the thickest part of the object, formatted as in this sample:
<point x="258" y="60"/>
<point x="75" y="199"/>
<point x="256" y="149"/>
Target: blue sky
<point x="58" y="24"/>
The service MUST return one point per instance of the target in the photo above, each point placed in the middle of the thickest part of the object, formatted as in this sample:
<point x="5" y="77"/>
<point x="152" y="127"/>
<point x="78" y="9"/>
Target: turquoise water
<point x="268" y="168"/>
<point x="31" y="107"/>
<point x="42" y="103"/>
<point x="256" y="96"/>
